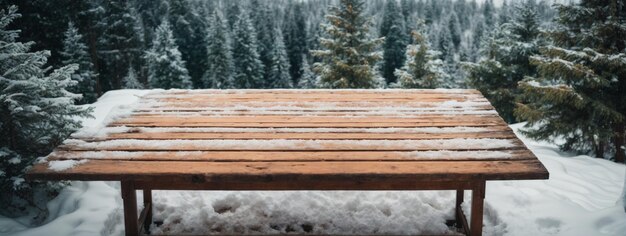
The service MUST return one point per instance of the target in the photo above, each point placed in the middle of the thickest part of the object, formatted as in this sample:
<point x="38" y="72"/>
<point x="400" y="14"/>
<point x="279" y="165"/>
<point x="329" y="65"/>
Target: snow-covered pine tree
<point x="489" y="13"/>
<point x="220" y="68"/>
<point x="120" y="44"/>
<point x="279" y="76"/>
<point x="444" y="43"/>
<point x="264" y="24"/>
<point x="423" y="68"/>
<point x="36" y="114"/>
<point x="294" y="32"/>
<point x="506" y="60"/>
<point x="350" y="52"/>
<point x="308" y="80"/>
<point x="580" y="91"/>
<point x="130" y="81"/>
<point x="249" y="69"/>
<point x="455" y="30"/>
<point x="75" y="52"/>
<point x="394" y="47"/>
<point x="189" y="34"/>
<point x="166" y="68"/>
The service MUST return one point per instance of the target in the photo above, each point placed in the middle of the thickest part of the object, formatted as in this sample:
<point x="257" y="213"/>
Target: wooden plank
<point x="301" y="120"/>
<point x="213" y="99"/>
<point x="303" y="104"/>
<point x="312" y="125"/>
<point x="307" y="136"/>
<point x="295" y="145"/>
<point x="319" y="91"/>
<point x="335" y="110"/>
<point x="314" y="95"/>
<point x="253" y="156"/>
<point x="395" y="114"/>
<point x="307" y="119"/>
<point x="397" y="184"/>
<point x="315" y="172"/>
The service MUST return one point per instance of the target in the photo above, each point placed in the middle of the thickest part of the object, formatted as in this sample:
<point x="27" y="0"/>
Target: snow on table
<point x="298" y="140"/>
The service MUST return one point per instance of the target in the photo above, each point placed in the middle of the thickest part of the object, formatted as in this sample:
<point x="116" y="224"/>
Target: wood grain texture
<point x="337" y="138"/>
<point x="268" y="172"/>
<point x="268" y="156"/>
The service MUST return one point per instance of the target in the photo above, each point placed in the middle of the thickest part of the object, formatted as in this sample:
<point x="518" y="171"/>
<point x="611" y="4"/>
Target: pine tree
<point x="295" y="38"/>
<point x="36" y="114"/>
<point x="506" y="61"/>
<point x="189" y="32"/>
<point x="264" y="26"/>
<point x="166" y="69"/>
<point x="455" y="30"/>
<point x="488" y="13"/>
<point x="120" y="44"/>
<point x="308" y="79"/>
<point x="422" y="68"/>
<point x="131" y="81"/>
<point x="279" y="76"/>
<point x="445" y="45"/>
<point x="579" y="93"/>
<point x="75" y="52"/>
<point x="220" y="68"/>
<point x="395" y="43"/>
<point x="248" y="66"/>
<point x="350" y="54"/>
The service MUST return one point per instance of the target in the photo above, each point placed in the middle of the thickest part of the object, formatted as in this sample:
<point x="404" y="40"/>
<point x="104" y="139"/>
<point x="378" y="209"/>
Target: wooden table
<point x="300" y="140"/>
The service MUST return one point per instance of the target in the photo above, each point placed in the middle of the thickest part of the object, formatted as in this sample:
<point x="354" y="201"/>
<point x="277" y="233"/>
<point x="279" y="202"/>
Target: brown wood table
<point x="300" y="140"/>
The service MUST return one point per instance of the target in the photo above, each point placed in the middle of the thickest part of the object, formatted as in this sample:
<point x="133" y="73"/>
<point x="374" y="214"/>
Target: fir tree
<point x="488" y="13"/>
<point x="279" y="76"/>
<point x="36" y="114"/>
<point x="295" y="38"/>
<point x="350" y="52"/>
<point x="75" y="52"/>
<point x="131" y="81"/>
<point x="264" y="25"/>
<point x="422" y="68"/>
<point x="120" y="44"/>
<point x="308" y="79"/>
<point x="506" y="61"/>
<point x="445" y="45"/>
<point x="189" y="30"/>
<point x="395" y="40"/>
<point x="220" y="68"/>
<point x="579" y="93"/>
<point x="455" y="30"/>
<point x="248" y="66"/>
<point x="166" y="69"/>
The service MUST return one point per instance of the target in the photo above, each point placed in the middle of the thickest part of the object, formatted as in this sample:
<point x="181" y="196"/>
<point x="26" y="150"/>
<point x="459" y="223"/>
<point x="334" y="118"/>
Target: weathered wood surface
<point x="322" y="139"/>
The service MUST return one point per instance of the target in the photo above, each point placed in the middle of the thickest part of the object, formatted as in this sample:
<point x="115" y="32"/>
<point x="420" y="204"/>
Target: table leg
<point x="459" y="201"/>
<point x="129" y="196"/>
<point x="147" y="204"/>
<point x="478" y="198"/>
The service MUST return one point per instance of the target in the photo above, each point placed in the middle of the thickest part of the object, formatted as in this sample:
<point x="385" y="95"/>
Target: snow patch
<point x="64" y="164"/>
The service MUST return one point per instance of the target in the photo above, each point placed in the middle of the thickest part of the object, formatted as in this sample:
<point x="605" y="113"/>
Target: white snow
<point x="581" y="198"/>
<point x="110" y="106"/>
<point x="64" y="164"/>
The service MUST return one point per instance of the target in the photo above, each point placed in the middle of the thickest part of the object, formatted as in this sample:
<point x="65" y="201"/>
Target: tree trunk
<point x="618" y="141"/>
<point x="93" y="53"/>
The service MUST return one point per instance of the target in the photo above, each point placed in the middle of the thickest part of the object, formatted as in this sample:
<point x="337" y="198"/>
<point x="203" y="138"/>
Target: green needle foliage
<point x="579" y="94"/>
<point x="350" y="52"/>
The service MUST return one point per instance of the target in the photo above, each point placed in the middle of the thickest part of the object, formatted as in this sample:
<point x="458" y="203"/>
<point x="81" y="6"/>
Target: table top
<point x="336" y="137"/>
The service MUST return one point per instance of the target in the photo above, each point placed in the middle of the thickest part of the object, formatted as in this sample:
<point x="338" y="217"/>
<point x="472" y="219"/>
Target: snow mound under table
<point x="298" y="140"/>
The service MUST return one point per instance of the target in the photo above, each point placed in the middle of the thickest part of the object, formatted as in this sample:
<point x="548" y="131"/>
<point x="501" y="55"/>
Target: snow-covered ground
<point x="580" y="198"/>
